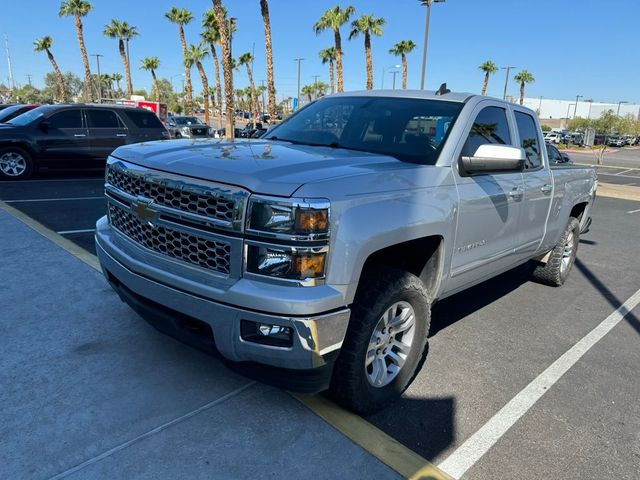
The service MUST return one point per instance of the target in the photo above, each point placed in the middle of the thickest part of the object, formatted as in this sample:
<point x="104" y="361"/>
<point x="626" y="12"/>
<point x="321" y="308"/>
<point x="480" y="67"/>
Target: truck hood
<point x="266" y="167"/>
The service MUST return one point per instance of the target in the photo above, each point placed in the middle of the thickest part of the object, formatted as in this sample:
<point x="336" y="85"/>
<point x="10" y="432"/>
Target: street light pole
<point x="506" y="81"/>
<point x="384" y="71"/>
<point x="97" y="55"/>
<point x="575" y="109"/>
<point x="394" y="73"/>
<point x="427" y="3"/>
<point x="568" y="108"/>
<point x="299" y="60"/>
<point x="620" y="103"/>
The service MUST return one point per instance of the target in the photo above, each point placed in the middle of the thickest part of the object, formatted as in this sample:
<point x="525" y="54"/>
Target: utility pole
<point x="97" y="55"/>
<point x="620" y="103"/>
<point x="506" y="80"/>
<point x="299" y="60"/>
<point x="394" y="73"/>
<point x="12" y="83"/>
<point x="575" y="109"/>
<point x="426" y="39"/>
<point x="29" y="79"/>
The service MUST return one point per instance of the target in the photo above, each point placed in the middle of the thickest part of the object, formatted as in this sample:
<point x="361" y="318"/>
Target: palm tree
<point x="78" y="9"/>
<point x="328" y="55"/>
<point x="117" y="77"/>
<point x="227" y="71"/>
<point x="151" y="64"/>
<point x="246" y="59"/>
<point x="321" y="89"/>
<point x="309" y="91"/>
<point x="181" y="17"/>
<point x="401" y="49"/>
<point x="271" y="89"/>
<point x="44" y="45"/>
<point x="333" y="19"/>
<point x="123" y="32"/>
<point x="211" y="35"/>
<point x="367" y="25"/>
<point x="489" y="68"/>
<point x="523" y="77"/>
<point x="195" y="54"/>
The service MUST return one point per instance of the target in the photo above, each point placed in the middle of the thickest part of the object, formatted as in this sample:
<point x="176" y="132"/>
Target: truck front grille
<point x="205" y="253"/>
<point x="201" y="202"/>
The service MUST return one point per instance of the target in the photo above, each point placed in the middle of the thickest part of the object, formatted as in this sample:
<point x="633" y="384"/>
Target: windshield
<point x="187" y="121"/>
<point x="411" y="130"/>
<point x="9" y="112"/>
<point x="27" y="117"/>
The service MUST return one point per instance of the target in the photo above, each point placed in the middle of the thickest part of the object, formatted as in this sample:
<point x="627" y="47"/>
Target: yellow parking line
<point x="59" y="240"/>
<point x="371" y="439"/>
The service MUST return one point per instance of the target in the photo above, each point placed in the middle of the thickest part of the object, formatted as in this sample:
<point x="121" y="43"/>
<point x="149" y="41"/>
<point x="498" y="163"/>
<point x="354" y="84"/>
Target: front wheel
<point x="15" y="164"/>
<point x="386" y="342"/>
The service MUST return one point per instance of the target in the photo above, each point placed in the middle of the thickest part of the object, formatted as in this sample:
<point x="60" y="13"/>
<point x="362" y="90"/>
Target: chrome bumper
<point x="314" y="336"/>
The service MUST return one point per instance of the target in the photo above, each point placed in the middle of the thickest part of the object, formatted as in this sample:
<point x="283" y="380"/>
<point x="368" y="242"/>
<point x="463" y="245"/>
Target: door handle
<point x="516" y="193"/>
<point x="546" y="189"/>
<point x="79" y="135"/>
<point x="121" y="135"/>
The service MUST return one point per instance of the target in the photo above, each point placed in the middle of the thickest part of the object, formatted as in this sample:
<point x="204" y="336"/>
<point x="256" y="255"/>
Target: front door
<point x="490" y="205"/>
<point x="538" y="186"/>
<point x="107" y="132"/>
<point x="65" y="140"/>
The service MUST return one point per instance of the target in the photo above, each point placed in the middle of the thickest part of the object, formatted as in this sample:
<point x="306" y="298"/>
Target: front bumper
<point x="316" y="338"/>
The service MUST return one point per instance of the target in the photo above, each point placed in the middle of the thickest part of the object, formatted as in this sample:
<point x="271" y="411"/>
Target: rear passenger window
<point x="103" y="119"/>
<point x="491" y="126"/>
<point x="529" y="140"/>
<point x="66" y="119"/>
<point x="144" y="119"/>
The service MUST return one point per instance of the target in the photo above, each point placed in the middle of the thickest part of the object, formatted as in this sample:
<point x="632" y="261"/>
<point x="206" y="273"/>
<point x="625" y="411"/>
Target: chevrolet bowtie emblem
<point x="141" y="209"/>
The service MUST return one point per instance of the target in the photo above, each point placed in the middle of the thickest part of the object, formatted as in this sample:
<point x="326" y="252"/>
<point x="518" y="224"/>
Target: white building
<point x="548" y="108"/>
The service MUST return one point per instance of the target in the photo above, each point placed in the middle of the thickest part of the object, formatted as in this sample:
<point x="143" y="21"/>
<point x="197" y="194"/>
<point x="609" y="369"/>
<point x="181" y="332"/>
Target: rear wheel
<point x="386" y="342"/>
<point x="561" y="259"/>
<point x="15" y="164"/>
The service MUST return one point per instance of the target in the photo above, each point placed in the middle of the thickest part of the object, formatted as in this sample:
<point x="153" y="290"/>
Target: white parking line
<point x="148" y="434"/>
<point x="34" y="200"/>
<point x="67" y="232"/>
<point x="634" y="211"/>
<point x="467" y="454"/>
<point x="624" y="171"/>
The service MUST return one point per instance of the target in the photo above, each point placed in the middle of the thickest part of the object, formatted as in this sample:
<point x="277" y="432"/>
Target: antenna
<point x="443" y="90"/>
<point x="12" y="83"/>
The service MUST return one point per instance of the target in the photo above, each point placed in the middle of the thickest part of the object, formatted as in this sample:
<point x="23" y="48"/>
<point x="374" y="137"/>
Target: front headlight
<point x="295" y="218"/>
<point x="286" y="262"/>
<point x="186" y="130"/>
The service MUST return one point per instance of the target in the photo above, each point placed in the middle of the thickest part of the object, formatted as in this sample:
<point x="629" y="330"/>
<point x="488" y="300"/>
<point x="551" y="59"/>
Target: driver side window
<point x="490" y="127"/>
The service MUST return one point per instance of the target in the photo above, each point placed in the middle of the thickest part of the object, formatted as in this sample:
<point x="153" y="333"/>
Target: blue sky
<point x="586" y="47"/>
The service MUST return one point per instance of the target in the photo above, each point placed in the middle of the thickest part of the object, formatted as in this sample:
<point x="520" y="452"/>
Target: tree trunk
<point x="187" y="73"/>
<point x="522" y="93"/>
<point x="254" y="97"/>
<point x="127" y="70"/>
<point x="62" y="93"/>
<point x="338" y="42"/>
<point x="485" y="84"/>
<point x="88" y="89"/>
<point x="271" y="89"/>
<point x="331" y="77"/>
<point x="155" y="85"/>
<point x="404" y="71"/>
<point x="226" y="68"/>
<point x="367" y="54"/>
<point x="205" y="90"/>
<point x="216" y="73"/>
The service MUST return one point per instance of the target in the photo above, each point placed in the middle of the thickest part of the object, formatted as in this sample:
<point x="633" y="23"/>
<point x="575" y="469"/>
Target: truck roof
<point x="423" y="94"/>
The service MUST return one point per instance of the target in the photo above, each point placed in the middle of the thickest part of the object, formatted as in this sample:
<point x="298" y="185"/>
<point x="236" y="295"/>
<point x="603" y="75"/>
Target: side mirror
<point x="494" y="158"/>
<point x="44" y="125"/>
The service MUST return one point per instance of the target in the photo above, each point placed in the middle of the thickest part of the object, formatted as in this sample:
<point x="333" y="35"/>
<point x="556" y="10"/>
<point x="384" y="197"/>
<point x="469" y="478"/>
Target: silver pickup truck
<point x="311" y="258"/>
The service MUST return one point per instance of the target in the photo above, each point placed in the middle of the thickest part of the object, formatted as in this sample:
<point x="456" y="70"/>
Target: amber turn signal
<point x="312" y="221"/>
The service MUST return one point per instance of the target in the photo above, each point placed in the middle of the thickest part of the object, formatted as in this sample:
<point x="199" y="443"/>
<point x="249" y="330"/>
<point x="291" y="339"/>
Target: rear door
<point x="65" y="143"/>
<point x="107" y="132"/>
<point x="538" y="184"/>
<point x="490" y="203"/>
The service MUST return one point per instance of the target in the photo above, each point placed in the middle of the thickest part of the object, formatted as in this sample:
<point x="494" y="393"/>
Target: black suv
<point x="71" y="136"/>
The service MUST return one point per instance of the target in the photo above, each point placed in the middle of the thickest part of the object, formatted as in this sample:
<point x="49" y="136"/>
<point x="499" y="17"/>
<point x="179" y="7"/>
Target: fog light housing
<point x="266" y="334"/>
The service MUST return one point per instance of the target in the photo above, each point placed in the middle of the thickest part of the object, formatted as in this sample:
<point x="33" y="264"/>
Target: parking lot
<point x="94" y="392"/>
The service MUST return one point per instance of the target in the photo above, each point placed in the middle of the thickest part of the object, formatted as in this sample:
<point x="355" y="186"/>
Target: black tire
<point x="380" y="289"/>
<point x="28" y="164"/>
<point x="553" y="272"/>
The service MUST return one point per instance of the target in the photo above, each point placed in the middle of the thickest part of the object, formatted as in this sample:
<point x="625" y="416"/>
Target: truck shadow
<point x="448" y="311"/>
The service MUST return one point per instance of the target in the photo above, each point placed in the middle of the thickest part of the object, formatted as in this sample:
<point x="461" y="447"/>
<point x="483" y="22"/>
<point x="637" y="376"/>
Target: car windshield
<point x="411" y="130"/>
<point x="9" y="112"/>
<point x="27" y="117"/>
<point x="187" y="121"/>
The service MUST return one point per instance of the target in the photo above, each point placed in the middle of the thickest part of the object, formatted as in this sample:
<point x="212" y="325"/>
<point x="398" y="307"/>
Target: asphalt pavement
<point x="88" y="369"/>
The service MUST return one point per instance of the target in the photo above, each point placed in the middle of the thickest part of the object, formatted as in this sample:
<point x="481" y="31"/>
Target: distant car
<point x="556" y="156"/>
<point x="573" y="138"/>
<point x="553" y="137"/>
<point x="14" y="111"/>
<point x="72" y="136"/>
<point x="615" y="141"/>
<point x="187" y="127"/>
<point x="220" y="133"/>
